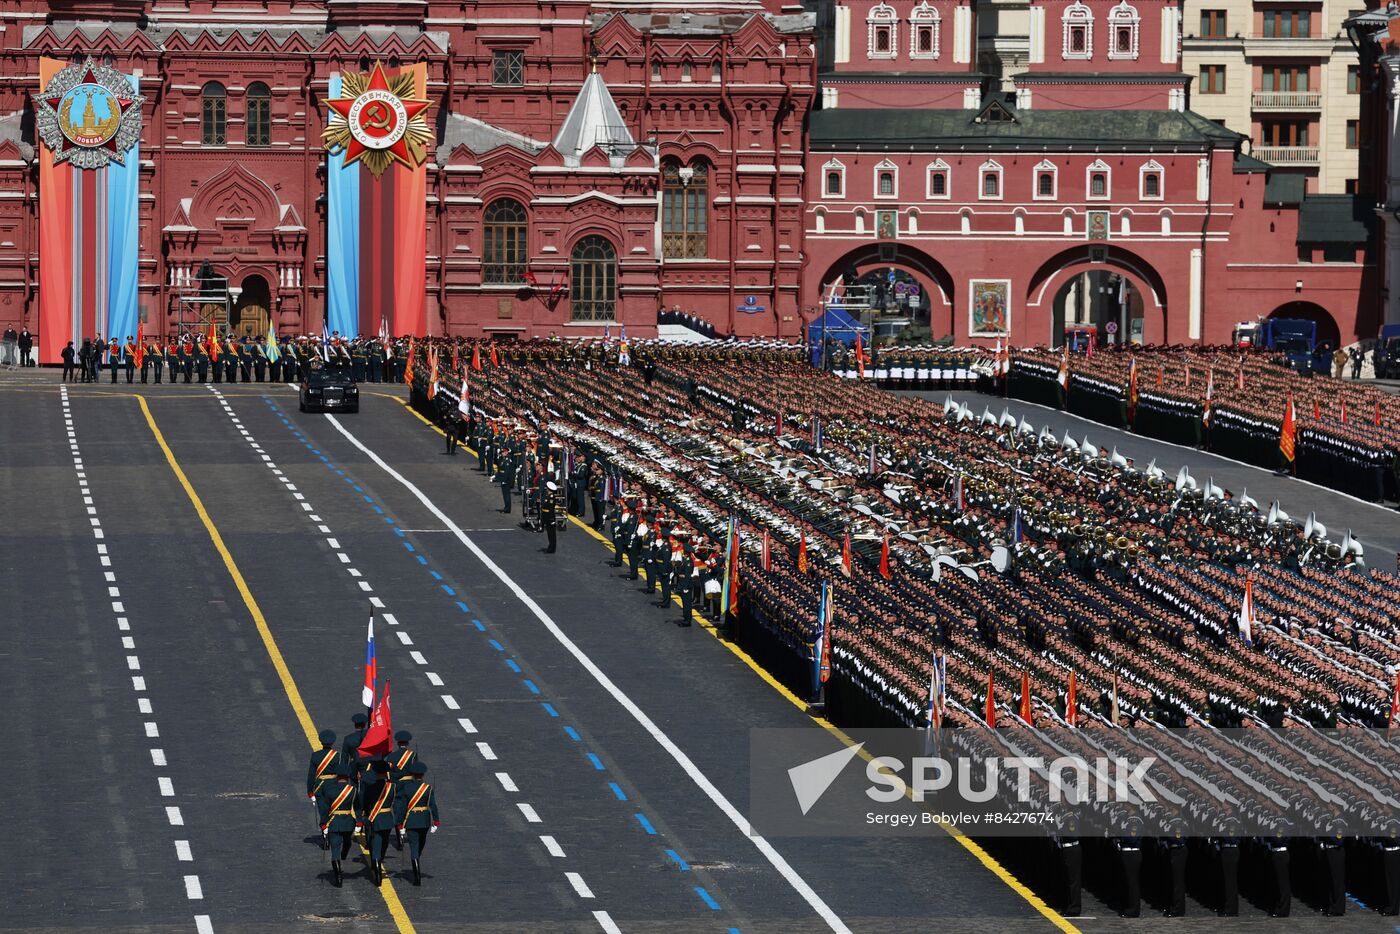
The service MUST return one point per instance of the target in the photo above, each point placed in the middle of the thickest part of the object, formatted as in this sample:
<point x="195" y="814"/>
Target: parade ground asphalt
<point x="188" y="574"/>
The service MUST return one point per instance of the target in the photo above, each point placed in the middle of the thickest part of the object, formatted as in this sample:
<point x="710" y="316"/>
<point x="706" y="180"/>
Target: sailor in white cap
<point x="549" y="509"/>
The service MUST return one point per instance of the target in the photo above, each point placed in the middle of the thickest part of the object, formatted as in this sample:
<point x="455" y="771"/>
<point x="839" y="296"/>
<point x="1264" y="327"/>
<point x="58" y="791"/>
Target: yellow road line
<point x="972" y="846"/>
<point x="284" y="674"/>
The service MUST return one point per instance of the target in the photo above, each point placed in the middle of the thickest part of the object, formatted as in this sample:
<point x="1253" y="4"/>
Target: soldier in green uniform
<point x="416" y="814"/>
<point x="400" y="759"/>
<point x="322" y="768"/>
<point x="337" y="807"/>
<point x="129" y="359"/>
<point x="377" y="811"/>
<point x="172" y="360"/>
<point x="636" y="541"/>
<point x="359" y="361"/>
<point x="658" y="555"/>
<point x="350" y="748"/>
<point x="505" y="476"/>
<point x="201" y="362"/>
<point x="245" y="362"/>
<point x="260" y="359"/>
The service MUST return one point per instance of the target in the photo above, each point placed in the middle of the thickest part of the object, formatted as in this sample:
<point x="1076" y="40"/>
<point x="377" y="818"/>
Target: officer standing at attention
<point x="416" y="813"/>
<point x="260" y="359"/>
<point x="322" y="768"/>
<point x="505" y="476"/>
<point x="549" y="513"/>
<point x="129" y="358"/>
<point x="377" y="805"/>
<point x="337" y="808"/>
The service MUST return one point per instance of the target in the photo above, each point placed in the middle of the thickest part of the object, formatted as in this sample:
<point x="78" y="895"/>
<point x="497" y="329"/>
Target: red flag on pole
<point x="1286" y="432"/>
<point x="495" y="361"/>
<point x="1317" y="410"/>
<point x="990" y="714"/>
<point x="802" y="552"/>
<point x="141" y="354"/>
<point x="1026" y="698"/>
<point x="1072" y="703"/>
<point x="885" y="557"/>
<point x="1378" y="413"/>
<point x="1344" y="411"/>
<point x="778" y="426"/>
<point x="860" y="357"/>
<point x="846" y="554"/>
<point x="1113" y="710"/>
<point x="476" y="357"/>
<point x="767" y="553"/>
<point x="1394" y="701"/>
<point x="379" y="738"/>
<point x="1159" y="376"/>
<point x="213" y="342"/>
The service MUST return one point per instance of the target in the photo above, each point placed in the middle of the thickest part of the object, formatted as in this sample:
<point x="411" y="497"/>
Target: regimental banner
<point x="88" y="118"/>
<point x="377" y="140"/>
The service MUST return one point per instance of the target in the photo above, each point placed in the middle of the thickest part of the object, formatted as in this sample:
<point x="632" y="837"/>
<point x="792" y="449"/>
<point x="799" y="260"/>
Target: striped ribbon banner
<point x="376" y="239"/>
<point x="88" y="245"/>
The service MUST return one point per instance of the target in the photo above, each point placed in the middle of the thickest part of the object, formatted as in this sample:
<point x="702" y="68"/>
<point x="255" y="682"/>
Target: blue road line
<point x="368" y="499"/>
<point x="462" y="606"/>
<point x="573" y="734"/>
<point x="325" y="458"/>
<point x="407" y="544"/>
<point x="549" y="708"/>
<point x="423" y="561"/>
<point x="400" y="533"/>
<point x="531" y="686"/>
<point x="448" y="590"/>
<point x="338" y="471"/>
<point x="676" y="858"/>
<point x="376" y="508"/>
<point x="495" y="645"/>
<point x="511" y="664"/>
<point x="388" y="520"/>
<point x="707" y="898"/>
<point x="646" y="824"/>
<point x="481" y="627"/>
<point x="617" y="790"/>
<point x="597" y="763"/>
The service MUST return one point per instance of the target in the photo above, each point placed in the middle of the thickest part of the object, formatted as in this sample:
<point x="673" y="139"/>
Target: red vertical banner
<point x="409" y="279"/>
<point x="55" y="243"/>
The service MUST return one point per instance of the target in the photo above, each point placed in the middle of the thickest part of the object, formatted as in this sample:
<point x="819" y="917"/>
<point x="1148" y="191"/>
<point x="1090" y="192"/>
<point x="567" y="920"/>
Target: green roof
<point x="897" y="128"/>
<point x="1336" y="219"/>
<point x="1246" y="165"/>
<point x="1285" y="188"/>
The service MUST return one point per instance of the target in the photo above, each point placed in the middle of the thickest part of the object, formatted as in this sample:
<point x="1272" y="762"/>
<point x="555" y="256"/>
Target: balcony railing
<point x="1287" y="100"/>
<point x="1286" y="155"/>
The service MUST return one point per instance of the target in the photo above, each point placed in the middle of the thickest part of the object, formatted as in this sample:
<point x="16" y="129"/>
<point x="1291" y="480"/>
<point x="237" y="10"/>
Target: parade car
<point x="325" y="389"/>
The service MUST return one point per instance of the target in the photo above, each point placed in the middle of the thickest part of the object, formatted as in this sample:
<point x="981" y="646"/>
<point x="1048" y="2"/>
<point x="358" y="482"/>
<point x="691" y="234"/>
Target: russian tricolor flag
<point x="371" y="670"/>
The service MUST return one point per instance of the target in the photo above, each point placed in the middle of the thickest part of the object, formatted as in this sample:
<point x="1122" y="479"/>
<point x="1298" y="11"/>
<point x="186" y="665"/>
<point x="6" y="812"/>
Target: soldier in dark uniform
<point x="156" y="354"/>
<point x="400" y="759"/>
<point x="416" y="813"/>
<point x="174" y="359"/>
<point x="549" y="512"/>
<point x="1173" y="851"/>
<point x="658" y="554"/>
<point x="374" y="358"/>
<point x="689" y="579"/>
<point x="219" y="357"/>
<point x="1227" y="855"/>
<point x="260" y="360"/>
<point x="129" y="360"/>
<point x="201" y="361"/>
<point x="596" y="482"/>
<point x="505" y="476"/>
<point x="1130" y="861"/>
<point x="115" y="359"/>
<point x="1388" y="849"/>
<point x="322" y="768"/>
<point x="635" y="541"/>
<point x="350" y="748"/>
<point x="377" y="812"/>
<point x="1333" y="863"/>
<point x="337" y="807"/>
<point x="1276" y="851"/>
<point x="245" y="361"/>
<point x="359" y="361"/>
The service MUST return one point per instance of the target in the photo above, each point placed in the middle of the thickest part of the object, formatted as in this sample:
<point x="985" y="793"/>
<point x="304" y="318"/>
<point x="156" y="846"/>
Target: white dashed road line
<point x="487" y="753"/>
<point x="193" y="890"/>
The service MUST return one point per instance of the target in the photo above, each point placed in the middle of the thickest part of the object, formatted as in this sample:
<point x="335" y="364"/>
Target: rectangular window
<point x="1283" y="133"/>
<point x="1212" y="24"/>
<point x="833" y="183"/>
<point x="1287" y="24"/>
<point x="938" y="184"/>
<point x="1152" y="185"/>
<point x="925" y="40"/>
<point x="887" y="184"/>
<point x="1078" y="39"/>
<point x="991" y="185"/>
<point x="1098" y="185"/>
<point x="1353" y="128"/>
<point x="1212" y="79"/>
<point x="1351" y="187"/>
<point x="1353" y="79"/>
<point x="1283" y="78"/>
<point x="1339" y="253"/>
<point x="1045" y="184"/>
<point x="882" y="38"/>
<point x="508" y="68"/>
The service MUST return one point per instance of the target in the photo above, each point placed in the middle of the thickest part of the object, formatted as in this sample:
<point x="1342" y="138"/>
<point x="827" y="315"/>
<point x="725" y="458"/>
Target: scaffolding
<point x="204" y="301"/>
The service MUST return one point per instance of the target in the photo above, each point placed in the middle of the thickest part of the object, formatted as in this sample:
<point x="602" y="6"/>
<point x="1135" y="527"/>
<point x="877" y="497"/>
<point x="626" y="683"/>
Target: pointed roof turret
<point x="594" y="120"/>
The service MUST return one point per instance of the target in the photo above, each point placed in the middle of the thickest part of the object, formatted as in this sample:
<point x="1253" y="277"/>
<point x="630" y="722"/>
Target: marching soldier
<point x="416" y="814"/>
<point x="400" y="759"/>
<point x="634" y="544"/>
<point x="337" y="808"/>
<point x="350" y="748"/>
<point x="129" y="358"/>
<point x="377" y="804"/>
<point x="324" y="764"/>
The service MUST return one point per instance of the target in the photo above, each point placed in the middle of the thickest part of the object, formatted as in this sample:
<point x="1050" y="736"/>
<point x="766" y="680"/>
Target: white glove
<point x="432" y="830"/>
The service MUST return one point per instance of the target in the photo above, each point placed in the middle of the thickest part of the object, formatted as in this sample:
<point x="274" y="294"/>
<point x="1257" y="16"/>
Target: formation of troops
<point x="1116" y="572"/>
<point x="230" y="359"/>
<point x="383" y="800"/>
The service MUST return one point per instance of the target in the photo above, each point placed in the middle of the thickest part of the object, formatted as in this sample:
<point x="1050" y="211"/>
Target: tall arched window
<point x="1123" y="28"/>
<point x="685" y="218"/>
<point x="258" y="122"/>
<point x="882" y="28"/>
<point x="1078" y="22"/>
<point x="214" y="115"/>
<point x="504" y="250"/>
<point x="593" y="280"/>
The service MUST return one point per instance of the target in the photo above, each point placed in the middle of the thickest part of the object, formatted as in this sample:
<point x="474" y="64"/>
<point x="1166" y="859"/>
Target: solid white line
<point x="579" y="885"/>
<point x="552" y="846"/>
<point x="529" y="812"/>
<point x="606" y="923"/>
<point x="684" y="761"/>
<point x="182" y="851"/>
<point x="506" y="781"/>
<point x="192" y="888"/>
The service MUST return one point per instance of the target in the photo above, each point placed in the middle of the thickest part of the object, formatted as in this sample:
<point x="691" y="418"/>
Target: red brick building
<point x="593" y="163"/>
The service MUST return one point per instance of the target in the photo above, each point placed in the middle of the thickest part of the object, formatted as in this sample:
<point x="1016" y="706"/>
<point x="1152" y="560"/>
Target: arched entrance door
<point x="1327" y="331"/>
<point x="894" y="280"/>
<point x="251" y="312"/>
<point x="1101" y="303"/>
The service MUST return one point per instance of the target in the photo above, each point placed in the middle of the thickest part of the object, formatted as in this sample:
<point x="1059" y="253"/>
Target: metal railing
<point x="1286" y="155"/>
<point x="1287" y="100"/>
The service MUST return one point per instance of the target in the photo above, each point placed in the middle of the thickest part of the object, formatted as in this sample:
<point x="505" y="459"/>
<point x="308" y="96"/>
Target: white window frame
<point x="991" y="166"/>
<point x="938" y="166"/>
<point x="1098" y="165"/>
<point x="834" y="165"/>
<point x="885" y="166"/>
<point x="1077" y="15"/>
<point x="1152" y="167"/>
<point x="924" y="17"/>
<point x="882" y="16"/>
<point x="1125" y="17"/>
<point x="1045" y="165"/>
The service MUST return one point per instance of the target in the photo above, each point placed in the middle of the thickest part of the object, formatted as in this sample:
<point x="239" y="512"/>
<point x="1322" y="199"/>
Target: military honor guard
<point x="337" y="805"/>
<point x="416" y="814"/>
